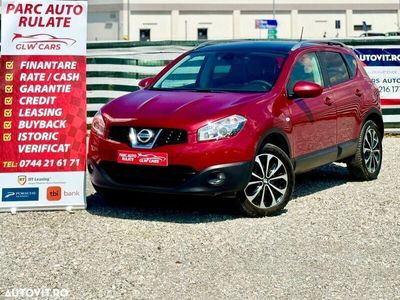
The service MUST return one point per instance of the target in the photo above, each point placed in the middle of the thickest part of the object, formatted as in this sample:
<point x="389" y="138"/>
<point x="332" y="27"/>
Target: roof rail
<point x="322" y="42"/>
<point x="209" y="43"/>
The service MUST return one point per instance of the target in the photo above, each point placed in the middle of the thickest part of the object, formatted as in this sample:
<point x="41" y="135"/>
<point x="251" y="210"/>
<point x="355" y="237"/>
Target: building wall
<point x="228" y="19"/>
<point x="103" y="26"/>
<point x="319" y="24"/>
<point x="159" y="23"/>
<point x="381" y="21"/>
<point x="219" y="24"/>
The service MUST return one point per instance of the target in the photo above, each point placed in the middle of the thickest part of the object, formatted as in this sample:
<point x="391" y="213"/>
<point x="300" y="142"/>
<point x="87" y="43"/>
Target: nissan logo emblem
<point x="145" y="135"/>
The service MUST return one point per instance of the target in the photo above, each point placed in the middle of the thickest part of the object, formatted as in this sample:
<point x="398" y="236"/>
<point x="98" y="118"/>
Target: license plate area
<point x="159" y="159"/>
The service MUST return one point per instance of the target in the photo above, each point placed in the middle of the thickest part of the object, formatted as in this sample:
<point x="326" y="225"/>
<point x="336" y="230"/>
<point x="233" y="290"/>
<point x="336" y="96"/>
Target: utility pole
<point x="273" y="8"/>
<point x="129" y="19"/>
<point x="398" y="17"/>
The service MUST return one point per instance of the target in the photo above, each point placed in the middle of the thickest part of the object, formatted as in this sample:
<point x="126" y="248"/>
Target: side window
<point x="335" y="67"/>
<point x="306" y="68"/>
<point x="352" y="65"/>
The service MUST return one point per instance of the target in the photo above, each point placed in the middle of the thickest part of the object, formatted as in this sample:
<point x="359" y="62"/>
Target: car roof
<point x="273" y="46"/>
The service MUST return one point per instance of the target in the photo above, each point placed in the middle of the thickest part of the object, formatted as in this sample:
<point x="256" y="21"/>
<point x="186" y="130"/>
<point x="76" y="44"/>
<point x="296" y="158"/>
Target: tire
<point x="366" y="163"/>
<point x="268" y="192"/>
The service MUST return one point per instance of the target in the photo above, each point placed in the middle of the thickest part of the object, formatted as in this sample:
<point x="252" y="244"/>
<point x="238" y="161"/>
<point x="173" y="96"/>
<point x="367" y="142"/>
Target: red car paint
<point x="309" y="125"/>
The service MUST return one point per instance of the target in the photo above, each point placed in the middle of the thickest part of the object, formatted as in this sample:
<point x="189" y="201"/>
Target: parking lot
<point x="336" y="239"/>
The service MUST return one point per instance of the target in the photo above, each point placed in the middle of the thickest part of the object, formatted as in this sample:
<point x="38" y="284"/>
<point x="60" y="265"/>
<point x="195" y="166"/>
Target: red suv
<point x="240" y="118"/>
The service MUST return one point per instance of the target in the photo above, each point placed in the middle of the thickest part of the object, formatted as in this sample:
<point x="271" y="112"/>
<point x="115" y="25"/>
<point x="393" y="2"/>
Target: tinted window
<point x="352" y="64"/>
<point x="335" y="67"/>
<point x="306" y="68"/>
<point x="241" y="71"/>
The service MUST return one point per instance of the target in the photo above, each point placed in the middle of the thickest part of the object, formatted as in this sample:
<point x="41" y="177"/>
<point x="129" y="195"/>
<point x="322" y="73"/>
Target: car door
<point x="348" y="91"/>
<point x="313" y="119"/>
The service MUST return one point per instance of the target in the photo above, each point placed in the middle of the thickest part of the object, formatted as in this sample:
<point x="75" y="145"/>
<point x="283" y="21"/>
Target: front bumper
<point x="173" y="179"/>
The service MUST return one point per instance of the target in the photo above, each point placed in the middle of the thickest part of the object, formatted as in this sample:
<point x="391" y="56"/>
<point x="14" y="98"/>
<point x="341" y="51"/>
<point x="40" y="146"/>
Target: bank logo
<point x="22" y="179"/>
<point x="41" y="41"/>
<point x="20" y="194"/>
<point x="54" y="193"/>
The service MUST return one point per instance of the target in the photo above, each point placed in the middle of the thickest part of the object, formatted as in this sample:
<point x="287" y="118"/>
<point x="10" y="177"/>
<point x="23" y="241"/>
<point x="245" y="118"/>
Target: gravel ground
<point x="336" y="239"/>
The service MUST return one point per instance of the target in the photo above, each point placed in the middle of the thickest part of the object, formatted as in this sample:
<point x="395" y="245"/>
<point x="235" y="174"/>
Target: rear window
<point x="352" y="64"/>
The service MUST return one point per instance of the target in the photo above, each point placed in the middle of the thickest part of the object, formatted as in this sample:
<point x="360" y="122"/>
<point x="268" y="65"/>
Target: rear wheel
<point x="366" y="163"/>
<point x="271" y="183"/>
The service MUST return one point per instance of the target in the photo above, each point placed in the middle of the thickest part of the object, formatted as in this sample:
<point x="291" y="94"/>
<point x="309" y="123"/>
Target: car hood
<point x="175" y="108"/>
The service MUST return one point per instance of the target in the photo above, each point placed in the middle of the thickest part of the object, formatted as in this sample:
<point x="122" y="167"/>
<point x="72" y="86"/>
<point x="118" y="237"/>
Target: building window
<point x="144" y="35"/>
<point x="202" y="33"/>
<point x="362" y="27"/>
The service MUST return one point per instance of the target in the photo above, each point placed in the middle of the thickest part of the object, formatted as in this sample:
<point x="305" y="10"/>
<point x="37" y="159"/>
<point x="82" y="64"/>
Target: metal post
<point x="398" y="18"/>
<point x="273" y="9"/>
<point x="129" y="19"/>
<point x="186" y="29"/>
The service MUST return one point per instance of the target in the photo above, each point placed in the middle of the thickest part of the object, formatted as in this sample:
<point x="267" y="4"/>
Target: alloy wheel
<point x="269" y="181"/>
<point x="371" y="150"/>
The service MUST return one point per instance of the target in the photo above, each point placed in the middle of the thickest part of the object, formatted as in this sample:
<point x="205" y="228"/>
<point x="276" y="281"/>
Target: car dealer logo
<point x="41" y="41"/>
<point x="145" y="135"/>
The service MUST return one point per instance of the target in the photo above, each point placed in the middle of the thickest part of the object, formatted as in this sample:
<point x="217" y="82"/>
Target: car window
<point x="185" y="74"/>
<point x="306" y="68"/>
<point x="335" y="66"/>
<point x="352" y="65"/>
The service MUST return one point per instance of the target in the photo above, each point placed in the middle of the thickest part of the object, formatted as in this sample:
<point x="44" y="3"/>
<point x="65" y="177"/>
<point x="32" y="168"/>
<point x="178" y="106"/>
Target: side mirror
<point x="306" y="89"/>
<point x="145" y="82"/>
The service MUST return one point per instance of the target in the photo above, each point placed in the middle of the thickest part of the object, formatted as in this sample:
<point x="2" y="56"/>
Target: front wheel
<point x="271" y="183"/>
<point x="366" y="163"/>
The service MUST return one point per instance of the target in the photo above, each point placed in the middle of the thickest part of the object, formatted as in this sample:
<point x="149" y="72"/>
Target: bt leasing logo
<point x="41" y="42"/>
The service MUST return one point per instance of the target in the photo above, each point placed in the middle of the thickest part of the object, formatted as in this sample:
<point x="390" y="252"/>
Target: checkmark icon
<point x="9" y="89"/>
<point x="9" y="65"/>
<point x="6" y="137"/>
<point x="7" y="125"/>
<point x="8" y="113"/>
<point x="8" y="100"/>
<point x="9" y="77"/>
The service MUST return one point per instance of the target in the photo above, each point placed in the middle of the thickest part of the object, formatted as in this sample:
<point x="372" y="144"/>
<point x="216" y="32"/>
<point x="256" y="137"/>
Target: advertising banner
<point x="382" y="64"/>
<point x="43" y="105"/>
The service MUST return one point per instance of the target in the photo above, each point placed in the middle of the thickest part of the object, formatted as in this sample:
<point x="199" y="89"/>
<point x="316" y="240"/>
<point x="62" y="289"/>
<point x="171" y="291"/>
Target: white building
<point x="157" y="20"/>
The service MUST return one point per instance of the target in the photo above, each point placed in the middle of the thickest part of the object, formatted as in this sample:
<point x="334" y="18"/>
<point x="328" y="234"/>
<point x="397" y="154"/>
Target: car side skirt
<point x="319" y="158"/>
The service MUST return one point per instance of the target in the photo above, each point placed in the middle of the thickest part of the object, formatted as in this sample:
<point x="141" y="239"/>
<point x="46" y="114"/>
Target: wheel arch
<point x="376" y="116"/>
<point x="275" y="137"/>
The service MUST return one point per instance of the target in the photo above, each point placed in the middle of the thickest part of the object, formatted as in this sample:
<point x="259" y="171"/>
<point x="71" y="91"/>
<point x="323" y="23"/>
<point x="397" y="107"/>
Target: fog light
<point x="216" y="179"/>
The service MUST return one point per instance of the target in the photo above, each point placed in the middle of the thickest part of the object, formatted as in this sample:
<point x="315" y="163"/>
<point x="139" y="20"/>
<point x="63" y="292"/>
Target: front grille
<point x="168" y="136"/>
<point x="151" y="176"/>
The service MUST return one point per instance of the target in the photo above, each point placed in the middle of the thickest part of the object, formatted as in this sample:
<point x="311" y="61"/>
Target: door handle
<point x="358" y="93"/>
<point x="328" y="101"/>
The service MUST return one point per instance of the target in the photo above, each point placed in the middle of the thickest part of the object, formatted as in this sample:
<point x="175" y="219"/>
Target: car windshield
<point x="229" y="71"/>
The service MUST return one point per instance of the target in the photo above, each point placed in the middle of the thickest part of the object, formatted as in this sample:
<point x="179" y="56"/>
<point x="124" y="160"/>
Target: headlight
<point x="98" y="125"/>
<point x="221" y="129"/>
